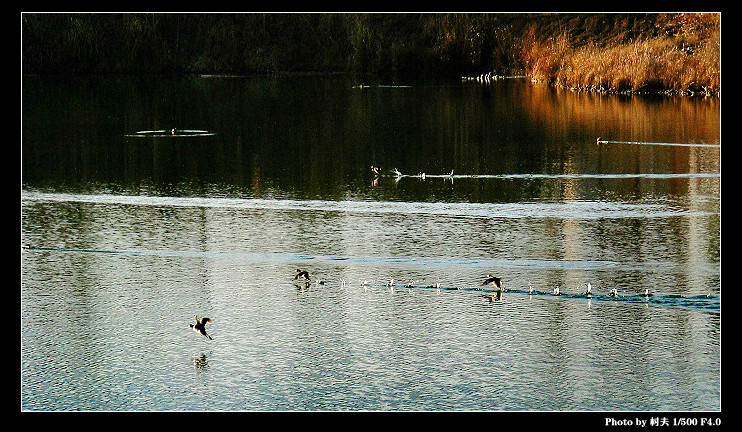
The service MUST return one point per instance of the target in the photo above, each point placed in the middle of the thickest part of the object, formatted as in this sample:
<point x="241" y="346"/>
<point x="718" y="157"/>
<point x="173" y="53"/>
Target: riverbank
<point x="682" y="56"/>
<point x="624" y="53"/>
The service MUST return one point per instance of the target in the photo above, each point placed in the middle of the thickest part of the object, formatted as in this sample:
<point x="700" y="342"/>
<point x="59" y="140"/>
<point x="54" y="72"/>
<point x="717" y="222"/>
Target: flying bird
<point x="200" y="326"/>
<point x="494" y="295"/>
<point x="495" y="281"/>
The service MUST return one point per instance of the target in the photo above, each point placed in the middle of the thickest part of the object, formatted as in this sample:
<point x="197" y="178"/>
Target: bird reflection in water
<point x="376" y="170"/>
<point x="200" y="361"/>
<point x="302" y="286"/>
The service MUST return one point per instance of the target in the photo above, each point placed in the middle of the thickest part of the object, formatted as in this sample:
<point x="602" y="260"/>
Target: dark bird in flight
<point x="495" y="281"/>
<point x="200" y="326"/>
<point x="494" y="295"/>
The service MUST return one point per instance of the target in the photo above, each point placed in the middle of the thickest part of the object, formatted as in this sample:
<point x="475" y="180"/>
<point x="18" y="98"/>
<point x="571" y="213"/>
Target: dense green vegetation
<point x="604" y="52"/>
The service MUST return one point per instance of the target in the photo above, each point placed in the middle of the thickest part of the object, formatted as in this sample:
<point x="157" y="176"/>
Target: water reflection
<point x="557" y="238"/>
<point x="123" y="230"/>
<point x="200" y="361"/>
<point x="315" y="138"/>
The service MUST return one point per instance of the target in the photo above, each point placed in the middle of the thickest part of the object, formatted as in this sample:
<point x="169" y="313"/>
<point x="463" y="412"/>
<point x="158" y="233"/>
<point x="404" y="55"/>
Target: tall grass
<point x="684" y="58"/>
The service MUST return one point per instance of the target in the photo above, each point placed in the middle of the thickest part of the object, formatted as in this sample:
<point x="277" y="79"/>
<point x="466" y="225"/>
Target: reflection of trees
<point x="317" y="137"/>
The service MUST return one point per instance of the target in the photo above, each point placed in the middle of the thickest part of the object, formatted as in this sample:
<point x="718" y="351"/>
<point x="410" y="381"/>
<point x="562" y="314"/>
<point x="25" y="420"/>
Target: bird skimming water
<point x="495" y="281"/>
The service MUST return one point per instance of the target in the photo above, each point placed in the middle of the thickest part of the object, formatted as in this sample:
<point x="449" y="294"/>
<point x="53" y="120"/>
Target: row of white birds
<point x="303" y="280"/>
<point x="484" y="78"/>
<point x="398" y="174"/>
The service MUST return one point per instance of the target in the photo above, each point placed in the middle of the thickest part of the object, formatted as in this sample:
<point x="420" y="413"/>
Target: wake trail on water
<point x="584" y="209"/>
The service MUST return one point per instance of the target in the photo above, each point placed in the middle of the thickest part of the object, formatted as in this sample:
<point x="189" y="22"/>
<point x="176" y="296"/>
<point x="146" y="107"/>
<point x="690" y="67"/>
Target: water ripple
<point x="566" y="209"/>
<point x="372" y="260"/>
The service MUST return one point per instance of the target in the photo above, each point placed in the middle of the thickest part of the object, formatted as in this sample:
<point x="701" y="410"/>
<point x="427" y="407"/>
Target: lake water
<point x="126" y="237"/>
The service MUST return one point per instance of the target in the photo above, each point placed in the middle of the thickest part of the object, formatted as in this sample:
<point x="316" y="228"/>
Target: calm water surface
<point x="126" y="238"/>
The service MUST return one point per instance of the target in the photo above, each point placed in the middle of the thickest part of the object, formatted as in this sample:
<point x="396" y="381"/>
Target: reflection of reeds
<point x="681" y="62"/>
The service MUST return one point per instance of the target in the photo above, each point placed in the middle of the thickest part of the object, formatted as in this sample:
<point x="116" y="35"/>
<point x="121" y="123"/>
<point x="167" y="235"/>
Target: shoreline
<point x="551" y="84"/>
<point x="605" y="53"/>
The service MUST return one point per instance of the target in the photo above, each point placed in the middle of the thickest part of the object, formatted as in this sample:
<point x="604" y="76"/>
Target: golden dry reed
<point x="683" y="60"/>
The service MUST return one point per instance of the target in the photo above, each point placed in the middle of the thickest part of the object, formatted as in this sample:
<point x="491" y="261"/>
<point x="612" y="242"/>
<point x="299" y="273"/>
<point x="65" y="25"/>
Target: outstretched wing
<point x="490" y="280"/>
